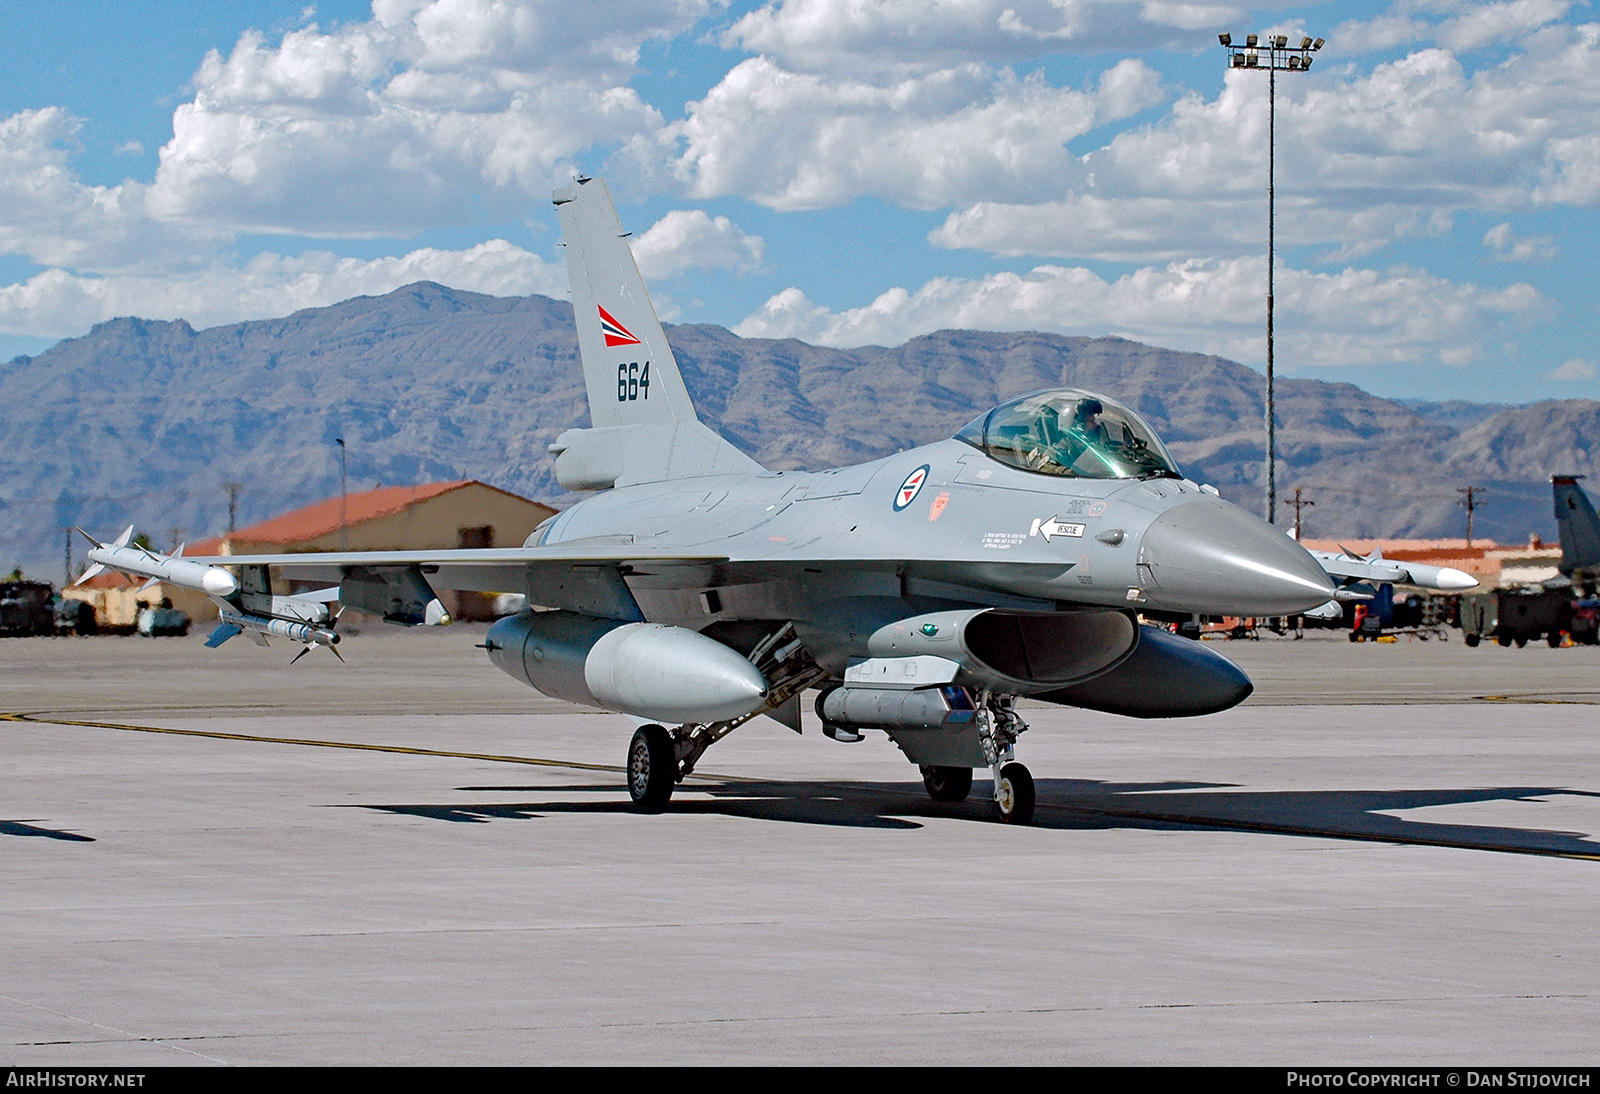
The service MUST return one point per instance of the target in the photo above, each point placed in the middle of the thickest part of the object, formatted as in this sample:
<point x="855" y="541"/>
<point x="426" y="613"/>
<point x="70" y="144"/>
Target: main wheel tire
<point x="1472" y="639"/>
<point x="652" y="769"/>
<point x="1553" y="639"/>
<point x="1014" y="797"/>
<point x="1522" y="641"/>
<point x="1503" y="640"/>
<point x="947" y="784"/>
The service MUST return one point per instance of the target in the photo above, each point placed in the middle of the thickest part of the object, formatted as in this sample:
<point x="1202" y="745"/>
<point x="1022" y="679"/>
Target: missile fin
<point x="92" y="571"/>
<point x="149" y="583"/>
<point x="223" y="632"/>
<point x="87" y="536"/>
<point x="125" y="538"/>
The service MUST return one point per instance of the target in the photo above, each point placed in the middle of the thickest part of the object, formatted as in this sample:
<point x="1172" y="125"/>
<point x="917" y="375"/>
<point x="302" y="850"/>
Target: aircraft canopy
<point x="1072" y="433"/>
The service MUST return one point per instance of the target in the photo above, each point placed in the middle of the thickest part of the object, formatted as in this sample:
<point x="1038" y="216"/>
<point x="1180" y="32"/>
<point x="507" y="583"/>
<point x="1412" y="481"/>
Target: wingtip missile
<point x="138" y="561"/>
<point x="1444" y="578"/>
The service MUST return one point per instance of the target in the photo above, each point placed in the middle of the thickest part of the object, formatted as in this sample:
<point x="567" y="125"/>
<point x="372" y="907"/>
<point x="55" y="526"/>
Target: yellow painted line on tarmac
<point x="47" y="719"/>
<point x="1530" y="700"/>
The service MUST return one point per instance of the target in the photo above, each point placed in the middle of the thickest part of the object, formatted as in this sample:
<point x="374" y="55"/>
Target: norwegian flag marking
<point x="616" y="334"/>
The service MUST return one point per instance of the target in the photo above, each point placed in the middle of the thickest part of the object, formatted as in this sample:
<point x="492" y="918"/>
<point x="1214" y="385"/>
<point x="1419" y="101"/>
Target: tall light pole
<point x="344" y="498"/>
<point x="1272" y="54"/>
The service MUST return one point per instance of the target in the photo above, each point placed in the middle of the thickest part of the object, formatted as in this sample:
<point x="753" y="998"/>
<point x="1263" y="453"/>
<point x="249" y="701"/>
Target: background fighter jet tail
<point x="644" y="425"/>
<point x="1579" y="526"/>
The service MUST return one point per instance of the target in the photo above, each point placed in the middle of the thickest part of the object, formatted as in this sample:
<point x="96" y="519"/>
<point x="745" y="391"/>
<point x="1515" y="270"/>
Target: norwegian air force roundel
<point x="911" y="487"/>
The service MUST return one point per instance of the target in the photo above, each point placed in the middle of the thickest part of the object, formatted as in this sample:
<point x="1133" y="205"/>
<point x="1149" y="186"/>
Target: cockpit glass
<point x="1071" y="433"/>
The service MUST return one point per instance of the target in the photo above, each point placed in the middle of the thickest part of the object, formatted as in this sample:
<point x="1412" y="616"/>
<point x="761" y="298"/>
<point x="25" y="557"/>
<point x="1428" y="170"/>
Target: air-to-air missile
<point x="124" y="555"/>
<point x="1350" y="566"/>
<point x="304" y="619"/>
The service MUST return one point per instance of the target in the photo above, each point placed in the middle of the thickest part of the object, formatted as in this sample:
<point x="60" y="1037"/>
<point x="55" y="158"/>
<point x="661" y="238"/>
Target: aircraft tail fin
<point x="1578" y="523"/>
<point x="643" y="427"/>
<point x="628" y="367"/>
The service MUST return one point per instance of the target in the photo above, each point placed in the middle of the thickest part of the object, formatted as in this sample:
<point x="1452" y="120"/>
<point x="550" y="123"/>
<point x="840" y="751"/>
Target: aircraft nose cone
<point x="1214" y="558"/>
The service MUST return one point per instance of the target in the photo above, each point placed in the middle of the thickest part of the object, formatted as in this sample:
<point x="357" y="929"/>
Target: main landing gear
<point x="660" y="758"/>
<point x="652" y="768"/>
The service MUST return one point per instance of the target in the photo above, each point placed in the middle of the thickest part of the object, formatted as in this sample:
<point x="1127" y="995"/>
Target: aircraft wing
<point x="496" y="569"/>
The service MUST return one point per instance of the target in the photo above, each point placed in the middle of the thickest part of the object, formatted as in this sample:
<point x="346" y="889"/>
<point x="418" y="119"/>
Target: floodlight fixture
<point x="1317" y="44"/>
<point x="1225" y="39"/>
<point x="1305" y="43"/>
<point x="1250" y="40"/>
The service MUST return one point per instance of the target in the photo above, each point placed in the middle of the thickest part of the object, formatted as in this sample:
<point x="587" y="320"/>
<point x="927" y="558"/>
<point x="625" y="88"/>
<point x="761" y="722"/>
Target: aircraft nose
<point x="1210" y="557"/>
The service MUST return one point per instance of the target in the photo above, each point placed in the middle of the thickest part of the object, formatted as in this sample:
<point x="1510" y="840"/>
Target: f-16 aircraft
<point x="1579" y="526"/>
<point x="921" y="594"/>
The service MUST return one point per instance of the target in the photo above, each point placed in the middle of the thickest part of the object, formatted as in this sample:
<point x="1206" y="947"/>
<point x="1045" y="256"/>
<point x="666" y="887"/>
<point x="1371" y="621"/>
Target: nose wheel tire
<point x="947" y="784"/>
<point x="652" y="769"/>
<point x="1013" y="795"/>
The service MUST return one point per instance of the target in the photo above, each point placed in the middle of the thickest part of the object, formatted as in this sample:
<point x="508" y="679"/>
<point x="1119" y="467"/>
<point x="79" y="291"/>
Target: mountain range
<point x="142" y="421"/>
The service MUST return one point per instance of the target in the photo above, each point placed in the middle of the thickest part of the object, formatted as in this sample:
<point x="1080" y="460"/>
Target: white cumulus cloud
<point x="59" y="303"/>
<point x="796" y="140"/>
<point x="1353" y="317"/>
<point x="1574" y="369"/>
<point x="1510" y="247"/>
<point x="1364" y="159"/>
<point x="687" y="239"/>
<point x="854" y="35"/>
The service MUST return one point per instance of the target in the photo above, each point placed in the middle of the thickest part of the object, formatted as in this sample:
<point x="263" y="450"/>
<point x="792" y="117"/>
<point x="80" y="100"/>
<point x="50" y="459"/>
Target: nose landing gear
<point x="1013" y="794"/>
<point x="998" y="729"/>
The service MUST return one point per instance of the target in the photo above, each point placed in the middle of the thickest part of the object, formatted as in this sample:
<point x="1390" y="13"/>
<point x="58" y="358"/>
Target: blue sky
<point x="842" y="171"/>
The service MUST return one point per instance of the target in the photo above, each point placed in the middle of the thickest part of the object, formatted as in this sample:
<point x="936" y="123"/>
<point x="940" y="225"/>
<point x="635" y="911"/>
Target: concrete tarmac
<point x="1388" y="855"/>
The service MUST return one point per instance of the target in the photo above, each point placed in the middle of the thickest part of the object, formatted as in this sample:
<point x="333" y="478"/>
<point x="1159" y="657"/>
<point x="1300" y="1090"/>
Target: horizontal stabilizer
<point x="598" y="459"/>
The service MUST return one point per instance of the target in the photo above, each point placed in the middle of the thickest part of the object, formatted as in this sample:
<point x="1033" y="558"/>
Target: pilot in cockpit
<point x="1070" y="435"/>
<point x="1086" y="422"/>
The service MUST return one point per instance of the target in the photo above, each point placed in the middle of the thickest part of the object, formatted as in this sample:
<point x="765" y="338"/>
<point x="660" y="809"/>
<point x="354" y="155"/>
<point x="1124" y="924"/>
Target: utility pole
<point x="1299" y="505"/>
<point x="344" y="497"/>
<point x="233" y="489"/>
<point x="1280" y="57"/>
<point x="1473" y="500"/>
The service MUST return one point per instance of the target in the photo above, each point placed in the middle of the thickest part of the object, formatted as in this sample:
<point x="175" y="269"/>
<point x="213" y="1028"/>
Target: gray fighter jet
<point x="920" y="595"/>
<point x="1579" y="527"/>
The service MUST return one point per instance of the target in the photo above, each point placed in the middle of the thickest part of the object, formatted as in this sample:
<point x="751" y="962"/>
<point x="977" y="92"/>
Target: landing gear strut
<point x="998" y="728"/>
<point x="660" y="758"/>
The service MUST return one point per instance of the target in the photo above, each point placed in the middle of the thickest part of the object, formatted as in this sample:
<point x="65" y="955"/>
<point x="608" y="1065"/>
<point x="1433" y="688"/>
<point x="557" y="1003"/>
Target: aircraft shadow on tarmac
<point x="22" y="828"/>
<point x="1067" y="804"/>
